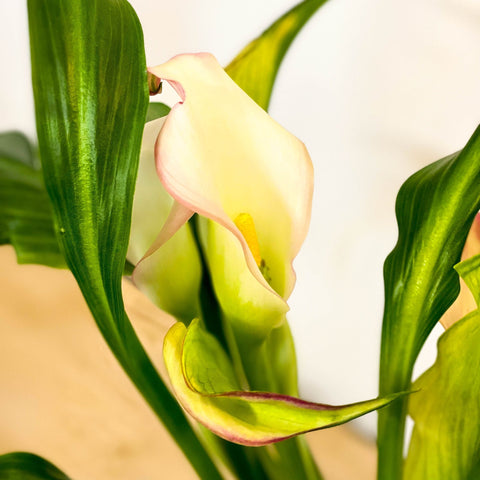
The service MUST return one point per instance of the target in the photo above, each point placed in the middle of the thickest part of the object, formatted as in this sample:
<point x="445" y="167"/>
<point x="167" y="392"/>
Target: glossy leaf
<point x="255" y="68"/>
<point x="90" y="91"/>
<point x="26" y="466"/>
<point x="435" y="208"/>
<point x="26" y="220"/>
<point x="446" y="410"/>
<point x="204" y="382"/>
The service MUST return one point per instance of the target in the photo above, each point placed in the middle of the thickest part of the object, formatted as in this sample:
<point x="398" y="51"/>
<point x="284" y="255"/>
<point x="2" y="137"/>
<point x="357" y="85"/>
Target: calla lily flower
<point x="220" y="155"/>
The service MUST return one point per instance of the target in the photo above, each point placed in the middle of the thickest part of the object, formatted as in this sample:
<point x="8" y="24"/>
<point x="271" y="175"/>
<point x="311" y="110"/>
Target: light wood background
<point x="63" y="396"/>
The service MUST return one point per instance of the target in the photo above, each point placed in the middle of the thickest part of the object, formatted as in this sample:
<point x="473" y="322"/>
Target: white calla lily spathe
<point x="220" y="155"/>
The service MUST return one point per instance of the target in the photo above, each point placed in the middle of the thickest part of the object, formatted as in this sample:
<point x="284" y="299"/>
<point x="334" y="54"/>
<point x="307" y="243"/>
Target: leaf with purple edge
<point x="204" y="382"/>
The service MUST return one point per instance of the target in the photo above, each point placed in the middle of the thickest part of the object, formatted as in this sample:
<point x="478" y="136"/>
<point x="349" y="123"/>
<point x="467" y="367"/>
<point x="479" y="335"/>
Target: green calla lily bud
<point x="204" y="382"/>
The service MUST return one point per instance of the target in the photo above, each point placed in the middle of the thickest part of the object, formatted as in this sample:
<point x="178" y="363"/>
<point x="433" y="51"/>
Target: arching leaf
<point x="435" y="208"/>
<point x="91" y="97"/>
<point x="255" y="68"/>
<point x="26" y="466"/>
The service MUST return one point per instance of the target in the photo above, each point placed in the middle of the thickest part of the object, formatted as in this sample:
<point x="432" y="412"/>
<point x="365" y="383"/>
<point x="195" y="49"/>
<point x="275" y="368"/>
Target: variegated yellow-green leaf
<point x="255" y="68"/>
<point x="446" y="410"/>
<point x="204" y="383"/>
<point x="435" y="208"/>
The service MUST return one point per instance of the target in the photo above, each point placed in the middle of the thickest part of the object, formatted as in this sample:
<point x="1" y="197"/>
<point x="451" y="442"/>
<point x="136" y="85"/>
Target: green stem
<point x="211" y="312"/>
<point x="391" y="419"/>
<point x="240" y="460"/>
<point x="391" y="434"/>
<point x="131" y="355"/>
<point x="290" y="458"/>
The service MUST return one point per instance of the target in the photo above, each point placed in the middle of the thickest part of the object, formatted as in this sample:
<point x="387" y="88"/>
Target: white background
<point x="376" y="89"/>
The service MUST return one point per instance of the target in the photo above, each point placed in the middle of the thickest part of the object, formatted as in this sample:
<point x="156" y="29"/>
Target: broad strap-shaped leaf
<point x="435" y="208"/>
<point x="91" y="96"/>
<point x="26" y="466"/>
<point x="255" y="68"/>
<point x="26" y="219"/>
<point x="204" y="382"/>
<point x="446" y="410"/>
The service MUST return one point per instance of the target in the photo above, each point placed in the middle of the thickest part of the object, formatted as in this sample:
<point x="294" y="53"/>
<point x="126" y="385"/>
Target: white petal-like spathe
<point x="220" y="155"/>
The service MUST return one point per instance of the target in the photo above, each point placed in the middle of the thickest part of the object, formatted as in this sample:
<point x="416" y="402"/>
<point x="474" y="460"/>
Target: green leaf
<point x="255" y="68"/>
<point x="446" y="410"/>
<point x="25" y="210"/>
<point x="26" y="466"/>
<point x="156" y="110"/>
<point x="204" y="382"/>
<point x="15" y="146"/>
<point x="435" y="208"/>
<point x="91" y="96"/>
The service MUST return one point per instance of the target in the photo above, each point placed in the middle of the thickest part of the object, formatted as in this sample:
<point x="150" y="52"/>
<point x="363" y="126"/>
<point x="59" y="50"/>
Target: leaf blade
<point x="446" y="410"/>
<point x="25" y="211"/>
<point x="26" y="466"/>
<point x="90" y="91"/>
<point x="261" y="58"/>
<point x="435" y="208"/>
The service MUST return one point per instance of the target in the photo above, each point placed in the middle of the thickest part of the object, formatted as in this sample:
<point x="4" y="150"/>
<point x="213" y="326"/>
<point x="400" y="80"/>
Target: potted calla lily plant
<point x="204" y="206"/>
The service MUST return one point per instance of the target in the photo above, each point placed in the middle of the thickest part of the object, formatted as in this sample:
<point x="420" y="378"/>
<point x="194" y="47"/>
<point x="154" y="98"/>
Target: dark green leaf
<point x="15" y="145"/>
<point x="90" y="91"/>
<point x="25" y="211"/>
<point x="255" y="68"/>
<point x="435" y="208"/>
<point x="156" y="110"/>
<point x="26" y="466"/>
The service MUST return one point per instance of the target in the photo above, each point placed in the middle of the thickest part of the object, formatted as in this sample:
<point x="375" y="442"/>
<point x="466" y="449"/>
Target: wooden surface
<point x="63" y="396"/>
